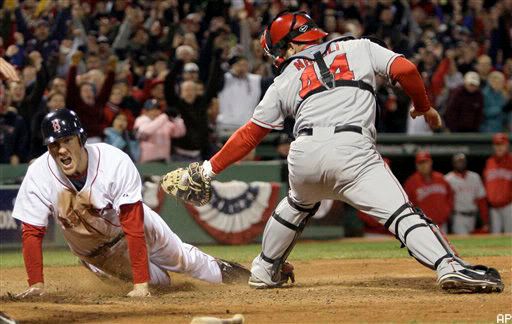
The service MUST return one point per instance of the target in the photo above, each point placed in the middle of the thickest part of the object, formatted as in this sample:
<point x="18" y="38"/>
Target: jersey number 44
<point x="339" y="68"/>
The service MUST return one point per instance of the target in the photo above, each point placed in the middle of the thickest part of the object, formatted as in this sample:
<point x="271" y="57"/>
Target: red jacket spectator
<point x="431" y="193"/>
<point x="498" y="180"/>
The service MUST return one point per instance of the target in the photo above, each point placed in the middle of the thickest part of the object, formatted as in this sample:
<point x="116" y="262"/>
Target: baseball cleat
<point x="286" y="274"/>
<point x="232" y="272"/>
<point x="473" y="279"/>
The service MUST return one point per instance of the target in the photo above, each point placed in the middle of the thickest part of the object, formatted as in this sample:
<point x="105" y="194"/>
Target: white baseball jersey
<point x="347" y="60"/>
<point x="90" y="218"/>
<point x="466" y="189"/>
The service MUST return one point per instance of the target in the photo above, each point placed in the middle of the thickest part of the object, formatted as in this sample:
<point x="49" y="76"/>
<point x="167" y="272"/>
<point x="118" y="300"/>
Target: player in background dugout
<point x="498" y="184"/>
<point x="469" y="197"/>
<point x="428" y="190"/>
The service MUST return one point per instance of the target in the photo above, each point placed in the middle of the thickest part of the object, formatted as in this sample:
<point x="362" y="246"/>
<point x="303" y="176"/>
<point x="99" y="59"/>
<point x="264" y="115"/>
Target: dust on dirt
<point x="327" y="291"/>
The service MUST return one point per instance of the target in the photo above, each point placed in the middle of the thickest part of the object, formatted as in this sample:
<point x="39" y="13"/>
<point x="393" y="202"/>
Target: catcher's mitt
<point x="189" y="185"/>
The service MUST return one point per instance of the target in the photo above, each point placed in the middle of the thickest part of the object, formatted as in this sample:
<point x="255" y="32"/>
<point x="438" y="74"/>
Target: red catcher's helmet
<point x="297" y="27"/>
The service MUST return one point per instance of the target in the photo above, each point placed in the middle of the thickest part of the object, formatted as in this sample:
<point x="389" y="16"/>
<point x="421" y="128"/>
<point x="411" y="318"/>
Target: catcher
<point x="329" y="88"/>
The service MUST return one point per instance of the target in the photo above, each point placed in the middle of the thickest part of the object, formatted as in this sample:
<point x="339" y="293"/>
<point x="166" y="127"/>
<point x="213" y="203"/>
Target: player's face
<point x="459" y="165"/>
<point x="67" y="153"/>
<point x="424" y="167"/>
<point x="500" y="149"/>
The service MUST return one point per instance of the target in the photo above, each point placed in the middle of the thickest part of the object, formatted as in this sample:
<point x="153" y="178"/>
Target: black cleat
<point x="473" y="279"/>
<point x="233" y="272"/>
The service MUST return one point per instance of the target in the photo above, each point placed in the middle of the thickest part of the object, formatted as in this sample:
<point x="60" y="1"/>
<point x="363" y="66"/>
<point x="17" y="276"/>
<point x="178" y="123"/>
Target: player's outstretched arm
<point x="32" y="241"/>
<point x="193" y="184"/>
<point x="132" y="223"/>
<point x="405" y="72"/>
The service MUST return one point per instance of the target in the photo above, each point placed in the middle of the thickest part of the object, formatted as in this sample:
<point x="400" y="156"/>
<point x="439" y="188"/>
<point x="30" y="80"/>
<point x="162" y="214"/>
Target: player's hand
<point x="140" y="290"/>
<point x="36" y="289"/>
<point x="7" y="71"/>
<point x="431" y="116"/>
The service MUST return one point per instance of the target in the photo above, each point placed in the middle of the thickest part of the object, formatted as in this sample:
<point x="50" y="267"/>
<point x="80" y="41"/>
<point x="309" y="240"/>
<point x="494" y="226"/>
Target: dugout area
<point x="353" y="280"/>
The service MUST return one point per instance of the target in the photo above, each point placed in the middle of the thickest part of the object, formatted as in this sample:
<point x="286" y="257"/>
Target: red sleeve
<point x="405" y="72"/>
<point x="32" y="241"/>
<point x="132" y="222"/>
<point x="241" y="143"/>
<point x="484" y="209"/>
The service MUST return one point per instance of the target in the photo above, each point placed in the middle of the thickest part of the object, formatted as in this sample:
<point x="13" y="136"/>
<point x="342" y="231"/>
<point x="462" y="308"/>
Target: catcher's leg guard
<point x="423" y="239"/>
<point x="280" y="235"/>
<point x="429" y="246"/>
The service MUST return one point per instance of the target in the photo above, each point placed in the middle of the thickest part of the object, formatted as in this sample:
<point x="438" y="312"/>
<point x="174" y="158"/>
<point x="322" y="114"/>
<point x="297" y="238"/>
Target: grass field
<point x="476" y="246"/>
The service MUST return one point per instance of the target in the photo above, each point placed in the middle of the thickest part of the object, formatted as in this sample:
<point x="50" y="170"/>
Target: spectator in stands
<point x="119" y="136"/>
<point x="87" y="100"/>
<point x="494" y="102"/>
<point x="191" y="72"/>
<point x="469" y="197"/>
<point x="483" y="67"/>
<point x="13" y="136"/>
<point x="428" y="190"/>
<point x="445" y="79"/>
<point x="42" y="39"/>
<point x="498" y="184"/>
<point x="57" y="85"/>
<point x="193" y="108"/>
<point x="55" y="100"/>
<point x="464" y="111"/>
<point x="27" y="97"/>
<point x="115" y="106"/>
<point x="239" y="96"/>
<point x="154" y="131"/>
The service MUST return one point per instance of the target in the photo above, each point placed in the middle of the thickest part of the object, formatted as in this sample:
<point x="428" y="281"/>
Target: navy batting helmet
<point x="61" y="123"/>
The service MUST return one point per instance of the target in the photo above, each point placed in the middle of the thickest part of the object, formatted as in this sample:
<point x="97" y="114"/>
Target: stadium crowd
<point x="143" y="75"/>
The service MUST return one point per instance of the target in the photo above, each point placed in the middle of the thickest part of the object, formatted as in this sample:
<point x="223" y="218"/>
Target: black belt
<point x="337" y="129"/>
<point x="101" y="249"/>
<point x="469" y="214"/>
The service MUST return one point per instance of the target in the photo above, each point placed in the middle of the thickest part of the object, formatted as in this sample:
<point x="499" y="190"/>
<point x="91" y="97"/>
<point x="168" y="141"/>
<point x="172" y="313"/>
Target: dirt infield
<point x="327" y="291"/>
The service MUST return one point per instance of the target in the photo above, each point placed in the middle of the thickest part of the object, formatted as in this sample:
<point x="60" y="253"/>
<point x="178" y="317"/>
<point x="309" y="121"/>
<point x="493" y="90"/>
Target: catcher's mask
<point x="61" y="123"/>
<point x="286" y="27"/>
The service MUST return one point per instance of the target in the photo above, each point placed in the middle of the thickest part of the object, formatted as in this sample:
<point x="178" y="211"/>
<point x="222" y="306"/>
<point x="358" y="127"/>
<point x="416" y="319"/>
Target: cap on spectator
<point x="151" y="104"/>
<point x="191" y="67"/>
<point x="500" y="138"/>
<point x="472" y="78"/>
<point x="423" y="156"/>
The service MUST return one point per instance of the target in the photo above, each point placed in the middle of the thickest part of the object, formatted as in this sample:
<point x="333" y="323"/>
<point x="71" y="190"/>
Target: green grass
<point x="341" y="249"/>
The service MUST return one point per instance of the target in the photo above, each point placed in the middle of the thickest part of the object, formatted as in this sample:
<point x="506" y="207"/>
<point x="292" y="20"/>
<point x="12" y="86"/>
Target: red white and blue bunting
<point x="238" y="211"/>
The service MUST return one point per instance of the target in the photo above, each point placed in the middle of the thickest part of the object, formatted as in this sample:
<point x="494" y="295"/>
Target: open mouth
<point x="66" y="161"/>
